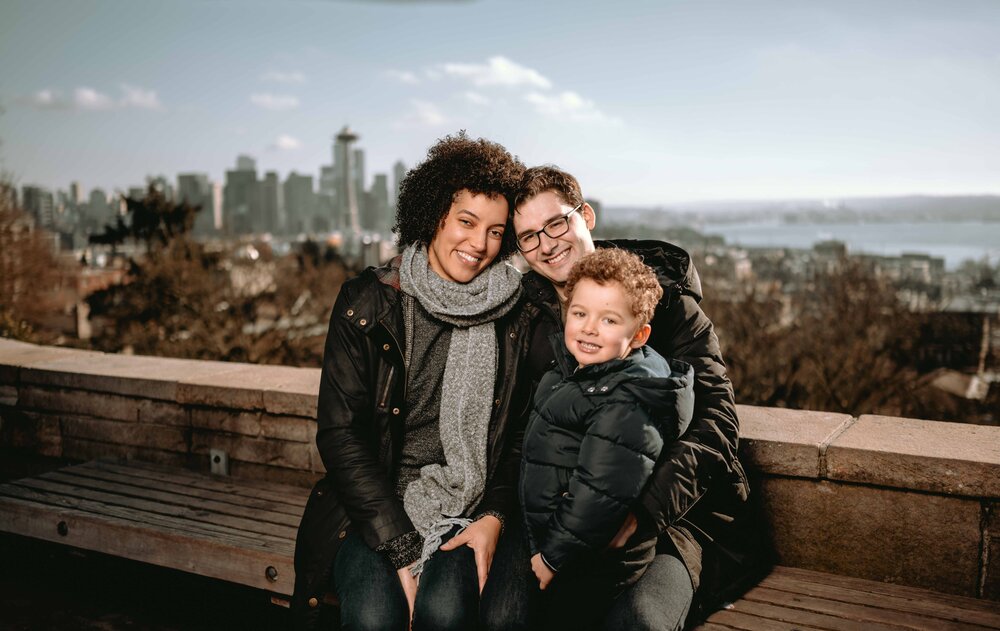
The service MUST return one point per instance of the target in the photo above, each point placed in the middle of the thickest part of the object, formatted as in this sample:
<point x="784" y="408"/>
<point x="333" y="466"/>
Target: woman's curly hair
<point x="454" y="163"/>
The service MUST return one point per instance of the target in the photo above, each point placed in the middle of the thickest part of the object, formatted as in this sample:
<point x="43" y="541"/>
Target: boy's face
<point x="600" y="325"/>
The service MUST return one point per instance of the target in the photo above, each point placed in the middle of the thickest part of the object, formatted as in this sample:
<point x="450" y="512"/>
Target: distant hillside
<point x="867" y="209"/>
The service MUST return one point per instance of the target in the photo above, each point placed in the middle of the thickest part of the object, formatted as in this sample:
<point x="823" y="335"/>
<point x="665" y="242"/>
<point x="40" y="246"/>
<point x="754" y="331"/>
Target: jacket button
<point x="513" y="335"/>
<point x="604" y="388"/>
<point x="395" y="411"/>
<point x="497" y="402"/>
<point x="313" y="602"/>
<point x="350" y="312"/>
<point x="385" y="347"/>
<point x="362" y="322"/>
<point x="343" y="533"/>
<point x="590" y="389"/>
<point x="319" y="493"/>
<point x="565" y="494"/>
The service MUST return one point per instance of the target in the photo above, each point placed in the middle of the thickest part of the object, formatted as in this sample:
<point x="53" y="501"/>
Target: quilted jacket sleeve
<point x="346" y="435"/>
<point x="706" y="453"/>
<point x="616" y="458"/>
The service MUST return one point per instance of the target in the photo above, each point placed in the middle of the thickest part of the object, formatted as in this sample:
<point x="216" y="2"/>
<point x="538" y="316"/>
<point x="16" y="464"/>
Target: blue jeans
<point x="660" y="601"/>
<point x="371" y="596"/>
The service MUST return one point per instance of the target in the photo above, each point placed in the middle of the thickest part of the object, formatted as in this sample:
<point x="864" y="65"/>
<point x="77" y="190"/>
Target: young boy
<point x="600" y="419"/>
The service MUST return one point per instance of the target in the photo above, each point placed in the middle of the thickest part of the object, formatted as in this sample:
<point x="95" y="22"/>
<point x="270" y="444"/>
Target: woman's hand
<point x="482" y="536"/>
<point x="409" y="582"/>
<point x="627" y="530"/>
<point x="542" y="571"/>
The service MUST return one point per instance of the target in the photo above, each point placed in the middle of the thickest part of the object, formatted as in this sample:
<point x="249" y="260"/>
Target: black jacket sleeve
<point x="706" y="454"/>
<point x="346" y="436"/>
<point x="616" y="458"/>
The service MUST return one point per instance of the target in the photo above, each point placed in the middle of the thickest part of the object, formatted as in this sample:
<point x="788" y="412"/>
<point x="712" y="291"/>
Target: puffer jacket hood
<point x="641" y="375"/>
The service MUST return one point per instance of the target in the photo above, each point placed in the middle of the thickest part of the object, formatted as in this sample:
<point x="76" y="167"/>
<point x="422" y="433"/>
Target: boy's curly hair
<point x="454" y="163"/>
<point x="638" y="280"/>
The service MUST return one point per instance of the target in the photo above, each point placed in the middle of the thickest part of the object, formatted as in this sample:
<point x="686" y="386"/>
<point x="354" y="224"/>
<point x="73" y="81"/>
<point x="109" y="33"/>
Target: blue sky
<point x="647" y="102"/>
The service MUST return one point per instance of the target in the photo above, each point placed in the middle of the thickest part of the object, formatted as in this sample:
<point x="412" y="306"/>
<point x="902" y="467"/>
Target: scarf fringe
<point x="432" y="542"/>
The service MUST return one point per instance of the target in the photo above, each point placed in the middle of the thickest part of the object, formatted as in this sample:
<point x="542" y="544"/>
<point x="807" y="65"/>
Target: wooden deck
<point x="243" y="532"/>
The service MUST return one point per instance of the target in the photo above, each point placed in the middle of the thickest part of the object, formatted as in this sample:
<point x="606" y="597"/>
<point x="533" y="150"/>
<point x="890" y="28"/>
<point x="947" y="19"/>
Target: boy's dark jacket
<point x="697" y="497"/>
<point x="590" y="446"/>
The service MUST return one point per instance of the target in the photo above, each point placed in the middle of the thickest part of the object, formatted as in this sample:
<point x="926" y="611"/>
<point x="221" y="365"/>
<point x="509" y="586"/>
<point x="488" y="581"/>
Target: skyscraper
<point x="196" y="189"/>
<point x="241" y="198"/>
<point x="300" y="203"/>
<point x="272" y="203"/>
<point x="39" y="202"/>
<point x="360" y="190"/>
<point x="378" y="204"/>
<point x="398" y="173"/>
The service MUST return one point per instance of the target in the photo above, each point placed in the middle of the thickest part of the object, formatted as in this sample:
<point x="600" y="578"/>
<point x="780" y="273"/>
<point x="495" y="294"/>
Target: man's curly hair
<point x="614" y="265"/>
<point x="454" y="163"/>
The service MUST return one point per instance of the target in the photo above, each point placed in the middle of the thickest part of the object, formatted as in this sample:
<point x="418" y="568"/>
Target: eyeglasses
<point x="555" y="228"/>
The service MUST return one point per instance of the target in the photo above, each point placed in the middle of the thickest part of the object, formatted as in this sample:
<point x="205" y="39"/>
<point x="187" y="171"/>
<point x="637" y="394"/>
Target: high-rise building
<point x="300" y="203"/>
<point x="358" y="175"/>
<point x="137" y="192"/>
<point x="39" y="202"/>
<point x="246" y="163"/>
<point x="241" y="199"/>
<point x="272" y="203"/>
<point x="378" y="204"/>
<point x="196" y="189"/>
<point x="99" y="212"/>
<point x="398" y="173"/>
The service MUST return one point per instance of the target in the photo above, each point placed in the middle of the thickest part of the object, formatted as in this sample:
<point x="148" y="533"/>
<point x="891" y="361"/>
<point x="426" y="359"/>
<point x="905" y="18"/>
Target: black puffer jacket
<point x="590" y="446"/>
<point x="360" y="430"/>
<point x="697" y="497"/>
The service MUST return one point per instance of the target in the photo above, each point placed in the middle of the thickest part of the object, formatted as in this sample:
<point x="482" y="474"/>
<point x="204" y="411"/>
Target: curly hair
<point x="613" y="265"/>
<point x="548" y="177"/>
<point x="454" y="163"/>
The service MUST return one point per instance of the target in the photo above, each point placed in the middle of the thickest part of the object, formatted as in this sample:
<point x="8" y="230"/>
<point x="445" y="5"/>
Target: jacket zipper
<point x="388" y="386"/>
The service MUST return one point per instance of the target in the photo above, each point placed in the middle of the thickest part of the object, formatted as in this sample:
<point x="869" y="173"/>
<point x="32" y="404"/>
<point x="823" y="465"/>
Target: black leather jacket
<point x="697" y="498"/>
<point x="360" y="428"/>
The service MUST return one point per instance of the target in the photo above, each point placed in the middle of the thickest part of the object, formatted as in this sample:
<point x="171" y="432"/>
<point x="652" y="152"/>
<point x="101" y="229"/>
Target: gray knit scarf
<point x="443" y="496"/>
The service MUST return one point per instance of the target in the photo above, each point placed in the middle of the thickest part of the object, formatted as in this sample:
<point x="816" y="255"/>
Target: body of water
<point x="953" y="241"/>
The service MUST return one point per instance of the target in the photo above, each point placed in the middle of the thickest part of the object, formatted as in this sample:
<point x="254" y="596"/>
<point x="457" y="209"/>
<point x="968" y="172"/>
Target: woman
<point x="417" y="412"/>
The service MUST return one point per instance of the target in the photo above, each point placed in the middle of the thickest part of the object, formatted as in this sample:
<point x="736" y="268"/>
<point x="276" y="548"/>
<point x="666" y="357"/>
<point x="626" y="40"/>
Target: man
<point x="696" y="501"/>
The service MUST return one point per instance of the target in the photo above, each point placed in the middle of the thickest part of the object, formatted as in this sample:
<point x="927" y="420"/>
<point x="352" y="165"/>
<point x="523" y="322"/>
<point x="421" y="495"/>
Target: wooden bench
<point x="243" y="531"/>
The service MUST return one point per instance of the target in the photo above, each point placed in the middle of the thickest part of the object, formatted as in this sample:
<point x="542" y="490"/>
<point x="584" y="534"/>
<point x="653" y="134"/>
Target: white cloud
<point x="140" y="98"/>
<point x="403" y="76"/>
<point x="475" y="98"/>
<point x="276" y="76"/>
<point x="275" y="102"/>
<point x="284" y="142"/>
<point x="569" y="106"/>
<point x="497" y="70"/>
<point x="90" y="99"/>
<point x="427" y="113"/>
<point x="46" y="99"/>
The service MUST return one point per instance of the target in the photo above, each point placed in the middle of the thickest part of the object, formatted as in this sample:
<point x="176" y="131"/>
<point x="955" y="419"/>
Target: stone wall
<point x="891" y="499"/>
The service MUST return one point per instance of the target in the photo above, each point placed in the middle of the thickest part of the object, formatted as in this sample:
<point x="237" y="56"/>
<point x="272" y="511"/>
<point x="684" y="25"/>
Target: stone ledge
<point x="948" y="458"/>
<point x="787" y="442"/>
<point x="953" y="459"/>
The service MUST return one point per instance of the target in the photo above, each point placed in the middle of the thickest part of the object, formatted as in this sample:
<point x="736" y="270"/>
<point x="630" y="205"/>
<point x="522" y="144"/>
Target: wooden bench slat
<point x="237" y="523"/>
<point x="203" y="530"/>
<point x="854" y="610"/>
<point x="162" y="493"/>
<point x="891" y="589"/>
<point x="180" y="488"/>
<point x="803" y="617"/>
<point x="150" y="544"/>
<point x="885" y="600"/>
<point x="746" y="622"/>
<point x="238" y="486"/>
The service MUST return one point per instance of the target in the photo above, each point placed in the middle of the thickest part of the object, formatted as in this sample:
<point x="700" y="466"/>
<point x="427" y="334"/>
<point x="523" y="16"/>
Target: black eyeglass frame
<point x="545" y="229"/>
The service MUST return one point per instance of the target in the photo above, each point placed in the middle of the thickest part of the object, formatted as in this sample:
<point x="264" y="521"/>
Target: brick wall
<point x="891" y="499"/>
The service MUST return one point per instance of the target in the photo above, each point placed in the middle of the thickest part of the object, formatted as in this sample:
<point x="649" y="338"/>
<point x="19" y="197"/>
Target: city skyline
<point x="647" y="102"/>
